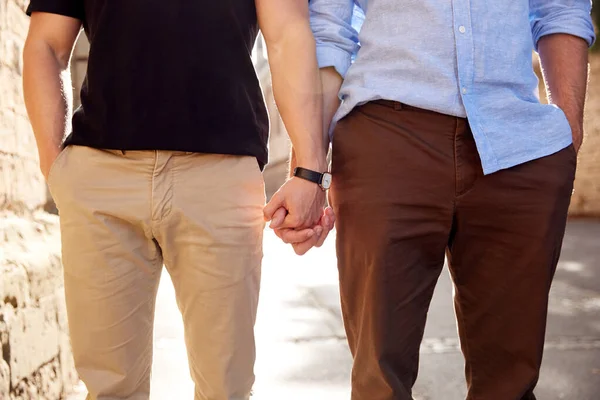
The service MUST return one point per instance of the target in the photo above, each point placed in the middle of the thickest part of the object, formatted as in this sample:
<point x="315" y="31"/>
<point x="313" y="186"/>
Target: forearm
<point x="47" y="89"/>
<point x="331" y="82"/>
<point x="297" y="90"/>
<point x="564" y="60"/>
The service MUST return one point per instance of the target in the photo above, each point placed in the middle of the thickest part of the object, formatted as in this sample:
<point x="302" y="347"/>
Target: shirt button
<point x="464" y="90"/>
<point x="462" y="29"/>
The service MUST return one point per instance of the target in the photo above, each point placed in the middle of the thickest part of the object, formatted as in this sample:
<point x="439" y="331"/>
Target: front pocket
<point x="54" y="168"/>
<point x="573" y="151"/>
<point x="253" y="177"/>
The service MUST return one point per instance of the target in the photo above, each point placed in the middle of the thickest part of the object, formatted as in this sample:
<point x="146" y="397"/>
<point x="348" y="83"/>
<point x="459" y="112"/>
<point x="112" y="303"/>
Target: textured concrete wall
<point x="35" y="357"/>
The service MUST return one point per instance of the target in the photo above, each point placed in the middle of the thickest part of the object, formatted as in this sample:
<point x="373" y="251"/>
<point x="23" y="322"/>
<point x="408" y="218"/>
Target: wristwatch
<point x="321" y="179"/>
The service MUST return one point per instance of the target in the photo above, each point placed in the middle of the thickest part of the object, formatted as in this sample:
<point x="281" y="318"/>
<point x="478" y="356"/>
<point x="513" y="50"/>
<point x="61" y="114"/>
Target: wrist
<point x="573" y="115"/>
<point x="322" y="179"/>
<point x="318" y="164"/>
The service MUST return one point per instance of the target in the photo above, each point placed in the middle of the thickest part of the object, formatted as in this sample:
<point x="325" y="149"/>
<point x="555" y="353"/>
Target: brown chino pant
<point x="409" y="189"/>
<point x="124" y="215"/>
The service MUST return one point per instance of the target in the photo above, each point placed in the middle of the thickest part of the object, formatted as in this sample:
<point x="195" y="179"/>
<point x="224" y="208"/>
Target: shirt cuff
<point x="330" y="56"/>
<point x="572" y="22"/>
<point x="64" y="8"/>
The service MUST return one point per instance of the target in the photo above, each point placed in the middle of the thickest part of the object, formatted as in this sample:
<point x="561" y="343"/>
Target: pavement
<point x="302" y="352"/>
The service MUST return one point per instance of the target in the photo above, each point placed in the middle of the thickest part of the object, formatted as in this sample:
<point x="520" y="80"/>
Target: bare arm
<point x="336" y="41"/>
<point x="564" y="60"/>
<point x="296" y="83"/>
<point x="294" y="66"/>
<point x="46" y="81"/>
<point x="297" y="89"/>
<point x="562" y="31"/>
<point x="331" y="82"/>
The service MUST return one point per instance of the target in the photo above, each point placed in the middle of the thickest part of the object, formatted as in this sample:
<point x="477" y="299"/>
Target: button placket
<point x="464" y="44"/>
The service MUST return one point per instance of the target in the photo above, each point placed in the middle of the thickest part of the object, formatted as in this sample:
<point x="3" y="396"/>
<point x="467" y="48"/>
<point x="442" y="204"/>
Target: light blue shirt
<point x="466" y="58"/>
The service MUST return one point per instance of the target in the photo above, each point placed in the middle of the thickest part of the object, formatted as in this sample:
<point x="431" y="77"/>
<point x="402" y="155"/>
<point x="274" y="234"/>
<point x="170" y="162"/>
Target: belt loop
<point x="398" y="106"/>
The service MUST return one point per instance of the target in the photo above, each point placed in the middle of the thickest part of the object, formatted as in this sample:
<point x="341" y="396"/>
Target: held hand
<point x="292" y="236"/>
<point x="303" y="201"/>
<point x="326" y="224"/>
<point x="302" y="241"/>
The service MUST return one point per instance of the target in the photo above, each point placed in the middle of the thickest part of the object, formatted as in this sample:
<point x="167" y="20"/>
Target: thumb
<point x="278" y="218"/>
<point x="271" y="207"/>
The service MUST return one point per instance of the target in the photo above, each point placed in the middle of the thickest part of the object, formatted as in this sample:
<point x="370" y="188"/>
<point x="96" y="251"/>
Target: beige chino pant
<point x="125" y="215"/>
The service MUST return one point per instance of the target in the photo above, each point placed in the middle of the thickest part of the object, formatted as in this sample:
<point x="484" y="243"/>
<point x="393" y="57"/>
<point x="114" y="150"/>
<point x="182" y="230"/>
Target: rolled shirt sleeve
<point x="572" y="17"/>
<point x="67" y="8"/>
<point x="336" y="38"/>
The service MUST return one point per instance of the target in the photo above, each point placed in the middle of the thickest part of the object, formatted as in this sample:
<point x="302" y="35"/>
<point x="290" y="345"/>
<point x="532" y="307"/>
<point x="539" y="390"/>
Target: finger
<point x="329" y="212"/>
<point x="272" y="207"/>
<point x="322" y="238"/>
<point x="278" y="218"/>
<point x="278" y="233"/>
<point x="325" y="233"/>
<point x="292" y="236"/>
<point x="291" y="221"/>
<point x="330" y="217"/>
<point x="303" y="248"/>
<point x="330" y="223"/>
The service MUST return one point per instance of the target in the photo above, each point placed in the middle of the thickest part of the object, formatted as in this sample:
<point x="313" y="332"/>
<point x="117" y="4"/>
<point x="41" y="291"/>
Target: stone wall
<point x="35" y="356"/>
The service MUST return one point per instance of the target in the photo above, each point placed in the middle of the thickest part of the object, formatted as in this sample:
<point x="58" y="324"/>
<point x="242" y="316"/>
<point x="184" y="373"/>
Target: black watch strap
<point x="307" y="174"/>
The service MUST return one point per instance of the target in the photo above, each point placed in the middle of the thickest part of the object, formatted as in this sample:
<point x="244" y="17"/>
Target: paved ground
<point x="303" y="354"/>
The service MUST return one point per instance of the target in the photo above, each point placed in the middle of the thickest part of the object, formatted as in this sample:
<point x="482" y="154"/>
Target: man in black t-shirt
<point x="162" y="164"/>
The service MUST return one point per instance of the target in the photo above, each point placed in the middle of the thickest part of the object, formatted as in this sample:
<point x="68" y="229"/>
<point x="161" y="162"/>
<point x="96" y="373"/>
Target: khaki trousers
<point x="125" y="215"/>
<point x="409" y="189"/>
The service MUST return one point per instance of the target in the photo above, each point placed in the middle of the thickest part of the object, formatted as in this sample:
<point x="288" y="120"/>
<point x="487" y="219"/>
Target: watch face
<point x="326" y="182"/>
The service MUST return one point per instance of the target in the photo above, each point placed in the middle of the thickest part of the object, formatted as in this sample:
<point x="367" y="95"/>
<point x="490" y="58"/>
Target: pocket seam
<point x="54" y="166"/>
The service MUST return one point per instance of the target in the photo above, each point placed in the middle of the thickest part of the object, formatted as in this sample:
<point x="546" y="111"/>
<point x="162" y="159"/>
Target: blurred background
<point x="302" y="353"/>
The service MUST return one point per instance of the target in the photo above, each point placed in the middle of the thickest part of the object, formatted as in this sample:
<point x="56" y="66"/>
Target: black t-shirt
<point x="168" y="75"/>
